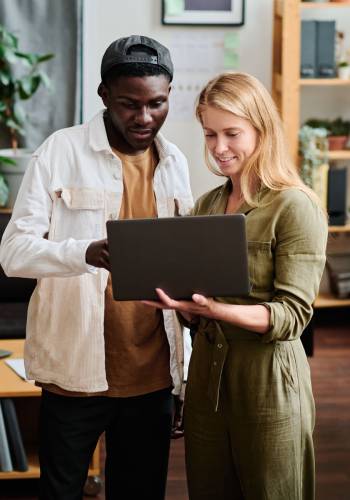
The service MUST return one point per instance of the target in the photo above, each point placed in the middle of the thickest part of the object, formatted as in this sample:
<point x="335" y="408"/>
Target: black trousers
<point x="137" y="431"/>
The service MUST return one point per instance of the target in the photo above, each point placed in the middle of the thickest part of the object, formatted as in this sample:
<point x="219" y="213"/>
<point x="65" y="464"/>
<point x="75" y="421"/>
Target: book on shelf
<point x="308" y="49"/>
<point x="337" y="196"/>
<point x="5" y="456"/>
<point x="14" y="436"/>
<point x="325" y="49"/>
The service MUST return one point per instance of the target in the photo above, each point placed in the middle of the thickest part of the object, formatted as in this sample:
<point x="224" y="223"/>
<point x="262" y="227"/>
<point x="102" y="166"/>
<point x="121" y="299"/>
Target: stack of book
<point x="12" y="453"/>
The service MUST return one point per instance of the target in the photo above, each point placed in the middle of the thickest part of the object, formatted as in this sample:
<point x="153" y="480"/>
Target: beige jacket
<point x="73" y="185"/>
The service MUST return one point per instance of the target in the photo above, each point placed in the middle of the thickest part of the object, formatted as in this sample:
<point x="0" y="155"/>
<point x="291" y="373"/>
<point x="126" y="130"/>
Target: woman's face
<point x="231" y="140"/>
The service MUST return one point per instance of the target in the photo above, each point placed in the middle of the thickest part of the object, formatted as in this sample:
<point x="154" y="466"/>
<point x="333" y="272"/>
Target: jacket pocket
<point x="261" y="265"/>
<point x="286" y="363"/>
<point x="78" y="213"/>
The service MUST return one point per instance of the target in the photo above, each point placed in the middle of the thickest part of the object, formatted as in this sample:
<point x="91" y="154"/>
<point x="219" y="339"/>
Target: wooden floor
<point x="330" y="369"/>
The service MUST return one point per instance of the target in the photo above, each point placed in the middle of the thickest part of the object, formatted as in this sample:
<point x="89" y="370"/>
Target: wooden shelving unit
<point x="286" y="81"/>
<point x="325" y="5"/>
<point x="287" y="86"/>
<point x="323" y="82"/>
<point x="26" y="397"/>
<point x="328" y="300"/>
<point x="343" y="154"/>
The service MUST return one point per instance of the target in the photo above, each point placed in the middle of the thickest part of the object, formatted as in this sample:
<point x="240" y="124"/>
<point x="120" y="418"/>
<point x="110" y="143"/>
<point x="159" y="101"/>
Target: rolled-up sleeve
<point x="301" y="239"/>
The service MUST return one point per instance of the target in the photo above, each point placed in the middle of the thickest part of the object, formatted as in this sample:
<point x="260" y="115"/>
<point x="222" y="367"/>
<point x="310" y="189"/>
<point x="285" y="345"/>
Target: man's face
<point x="137" y="108"/>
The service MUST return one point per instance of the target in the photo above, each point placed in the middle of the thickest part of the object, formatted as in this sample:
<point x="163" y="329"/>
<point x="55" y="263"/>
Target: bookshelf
<point x="286" y="81"/>
<point x="287" y="87"/>
<point x="26" y="397"/>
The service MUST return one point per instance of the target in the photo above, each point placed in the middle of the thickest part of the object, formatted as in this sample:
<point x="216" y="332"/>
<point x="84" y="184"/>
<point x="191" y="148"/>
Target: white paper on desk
<point x="17" y="366"/>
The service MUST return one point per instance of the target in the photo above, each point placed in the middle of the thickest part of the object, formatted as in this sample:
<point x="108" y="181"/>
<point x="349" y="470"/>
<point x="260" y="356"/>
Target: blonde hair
<point x="270" y="165"/>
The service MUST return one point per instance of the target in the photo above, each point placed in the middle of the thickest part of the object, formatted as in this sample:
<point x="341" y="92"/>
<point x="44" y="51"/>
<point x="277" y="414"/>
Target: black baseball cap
<point x="136" y="49"/>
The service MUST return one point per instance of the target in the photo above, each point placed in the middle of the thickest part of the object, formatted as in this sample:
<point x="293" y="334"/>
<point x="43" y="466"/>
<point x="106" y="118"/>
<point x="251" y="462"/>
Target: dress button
<point x="219" y="346"/>
<point x="214" y="363"/>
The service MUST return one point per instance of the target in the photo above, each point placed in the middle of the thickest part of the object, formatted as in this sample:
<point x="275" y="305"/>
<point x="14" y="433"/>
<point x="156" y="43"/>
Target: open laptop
<point x="181" y="255"/>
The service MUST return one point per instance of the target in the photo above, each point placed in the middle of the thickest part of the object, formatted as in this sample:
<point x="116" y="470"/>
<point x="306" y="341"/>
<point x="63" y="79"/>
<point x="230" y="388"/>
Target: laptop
<point x="180" y="255"/>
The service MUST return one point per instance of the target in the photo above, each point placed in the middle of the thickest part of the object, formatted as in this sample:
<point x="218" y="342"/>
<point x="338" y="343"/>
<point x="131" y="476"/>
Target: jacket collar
<point x="99" y="142"/>
<point x="245" y="207"/>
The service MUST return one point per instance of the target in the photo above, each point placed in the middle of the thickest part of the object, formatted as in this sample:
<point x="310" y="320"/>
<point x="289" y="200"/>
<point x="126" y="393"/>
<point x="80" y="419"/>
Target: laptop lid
<point x="181" y="255"/>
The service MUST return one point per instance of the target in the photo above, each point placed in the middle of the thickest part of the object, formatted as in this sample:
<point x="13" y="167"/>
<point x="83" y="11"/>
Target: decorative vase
<point x="13" y="174"/>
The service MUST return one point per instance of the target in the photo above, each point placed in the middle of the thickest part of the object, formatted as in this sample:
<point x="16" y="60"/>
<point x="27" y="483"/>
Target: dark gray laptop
<point x="181" y="255"/>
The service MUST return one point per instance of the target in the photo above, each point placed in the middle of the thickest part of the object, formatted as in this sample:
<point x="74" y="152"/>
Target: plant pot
<point x="344" y="72"/>
<point x="13" y="174"/>
<point x="337" y="142"/>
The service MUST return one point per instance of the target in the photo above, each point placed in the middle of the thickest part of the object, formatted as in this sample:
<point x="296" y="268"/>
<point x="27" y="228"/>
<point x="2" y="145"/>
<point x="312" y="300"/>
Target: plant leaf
<point x="45" y="57"/>
<point x="11" y="123"/>
<point x="19" y="113"/>
<point x="25" y="87"/>
<point x="9" y="55"/>
<point x="7" y="161"/>
<point x="45" y="80"/>
<point x="4" y="78"/>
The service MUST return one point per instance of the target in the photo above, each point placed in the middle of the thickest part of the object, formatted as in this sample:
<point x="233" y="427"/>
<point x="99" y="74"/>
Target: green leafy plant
<point x="15" y="85"/>
<point x="4" y="190"/>
<point x="343" y="64"/>
<point x="337" y="127"/>
<point x="313" y="150"/>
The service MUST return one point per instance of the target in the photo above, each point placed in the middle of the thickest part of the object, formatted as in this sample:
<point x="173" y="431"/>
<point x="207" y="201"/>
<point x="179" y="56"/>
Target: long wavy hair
<point x="270" y="165"/>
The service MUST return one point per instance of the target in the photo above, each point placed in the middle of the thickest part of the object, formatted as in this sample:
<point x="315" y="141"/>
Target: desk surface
<point x="11" y="385"/>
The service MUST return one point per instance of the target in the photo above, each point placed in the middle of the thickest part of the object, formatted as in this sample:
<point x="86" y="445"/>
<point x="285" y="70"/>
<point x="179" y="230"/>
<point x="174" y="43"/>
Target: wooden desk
<point x="27" y="401"/>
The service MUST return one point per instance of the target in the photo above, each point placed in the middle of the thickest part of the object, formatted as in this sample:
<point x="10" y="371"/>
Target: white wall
<point x="107" y="20"/>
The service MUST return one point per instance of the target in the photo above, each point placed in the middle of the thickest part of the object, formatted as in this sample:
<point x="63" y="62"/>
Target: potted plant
<point x="344" y="70"/>
<point x="338" y="131"/>
<point x="20" y="78"/>
<point x="338" y="136"/>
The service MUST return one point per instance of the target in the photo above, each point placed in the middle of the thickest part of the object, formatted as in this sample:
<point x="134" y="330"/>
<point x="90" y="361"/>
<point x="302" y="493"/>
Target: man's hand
<point x="97" y="254"/>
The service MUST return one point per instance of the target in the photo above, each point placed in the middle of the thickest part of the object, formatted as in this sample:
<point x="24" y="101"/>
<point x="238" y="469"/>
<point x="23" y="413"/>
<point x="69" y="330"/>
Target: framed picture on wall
<point x="203" y="12"/>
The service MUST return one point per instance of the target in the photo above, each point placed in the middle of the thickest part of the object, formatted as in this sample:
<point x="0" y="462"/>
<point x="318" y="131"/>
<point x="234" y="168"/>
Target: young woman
<point x="249" y="408"/>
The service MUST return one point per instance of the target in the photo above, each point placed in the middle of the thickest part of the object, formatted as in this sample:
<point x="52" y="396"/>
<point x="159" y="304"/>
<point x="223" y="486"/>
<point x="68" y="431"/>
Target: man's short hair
<point x="136" y="56"/>
<point x="134" y="69"/>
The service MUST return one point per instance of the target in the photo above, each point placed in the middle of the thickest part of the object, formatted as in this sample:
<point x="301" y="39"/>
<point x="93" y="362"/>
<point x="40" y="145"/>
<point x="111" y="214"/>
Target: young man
<point x="103" y="365"/>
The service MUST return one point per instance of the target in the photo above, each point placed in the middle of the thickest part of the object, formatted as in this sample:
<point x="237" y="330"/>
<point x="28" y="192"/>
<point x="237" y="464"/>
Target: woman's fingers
<point x="200" y="299"/>
<point x="164" y="297"/>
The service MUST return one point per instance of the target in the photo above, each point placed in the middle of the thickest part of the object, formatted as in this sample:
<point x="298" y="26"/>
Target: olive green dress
<point x="249" y="410"/>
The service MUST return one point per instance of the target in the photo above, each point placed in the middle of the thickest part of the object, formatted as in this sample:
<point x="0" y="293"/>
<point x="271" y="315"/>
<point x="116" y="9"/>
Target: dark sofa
<point x="14" y="297"/>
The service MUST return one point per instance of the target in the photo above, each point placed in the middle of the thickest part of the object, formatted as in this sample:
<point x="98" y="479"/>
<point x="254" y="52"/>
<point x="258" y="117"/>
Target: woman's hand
<point x="255" y="318"/>
<point x="198" y="306"/>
